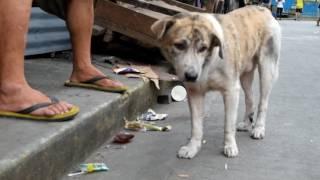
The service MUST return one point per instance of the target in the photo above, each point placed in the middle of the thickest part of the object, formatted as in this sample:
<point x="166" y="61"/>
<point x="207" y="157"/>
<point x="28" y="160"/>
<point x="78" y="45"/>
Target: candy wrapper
<point x="90" y="168"/>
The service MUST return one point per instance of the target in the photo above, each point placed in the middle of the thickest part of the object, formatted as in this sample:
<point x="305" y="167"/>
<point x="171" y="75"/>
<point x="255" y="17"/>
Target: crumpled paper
<point x="152" y="73"/>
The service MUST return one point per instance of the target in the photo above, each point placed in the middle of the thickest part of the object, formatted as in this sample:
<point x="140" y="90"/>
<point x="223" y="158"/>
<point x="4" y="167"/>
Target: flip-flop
<point x="89" y="84"/>
<point x="25" y="113"/>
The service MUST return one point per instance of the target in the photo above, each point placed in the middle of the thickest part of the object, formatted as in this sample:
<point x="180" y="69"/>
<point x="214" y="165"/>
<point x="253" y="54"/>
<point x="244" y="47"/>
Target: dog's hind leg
<point x="196" y="106"/>
<point x="246" y="80"/>
<point x="268" y="66"/>
<point x="268" y="71"/>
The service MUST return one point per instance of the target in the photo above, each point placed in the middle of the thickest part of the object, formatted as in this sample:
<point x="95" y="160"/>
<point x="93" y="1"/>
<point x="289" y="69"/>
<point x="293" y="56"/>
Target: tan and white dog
<point x="221" y="52"/>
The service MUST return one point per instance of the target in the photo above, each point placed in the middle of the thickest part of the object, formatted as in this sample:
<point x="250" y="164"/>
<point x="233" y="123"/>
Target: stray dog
<point x="220" y="52"/>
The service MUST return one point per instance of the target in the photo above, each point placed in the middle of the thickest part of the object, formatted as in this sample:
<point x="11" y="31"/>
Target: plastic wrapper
<point x="151" y="115"/>
<point x="125" y="70"/>
<point x="90" y="168"/>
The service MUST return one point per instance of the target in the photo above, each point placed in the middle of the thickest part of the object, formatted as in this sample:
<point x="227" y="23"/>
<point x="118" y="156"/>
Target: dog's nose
<point x="191" y="76"/>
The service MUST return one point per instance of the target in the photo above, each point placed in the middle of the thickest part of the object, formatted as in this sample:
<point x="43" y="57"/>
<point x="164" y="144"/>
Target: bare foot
<point x="80" y="75"/>
<point x="18" y="97"/>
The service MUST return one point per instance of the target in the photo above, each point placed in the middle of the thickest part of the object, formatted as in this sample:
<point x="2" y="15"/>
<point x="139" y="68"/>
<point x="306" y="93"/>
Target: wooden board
<point x="126" y="19"/>
<point x="134" y="18"/>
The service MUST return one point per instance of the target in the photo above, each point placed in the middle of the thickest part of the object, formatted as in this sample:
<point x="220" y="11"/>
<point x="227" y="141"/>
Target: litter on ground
<point x="122" y="138"/>
<point x="151" y="115"/>
<point x="90" y="168"/>
<point x="139" y="125"/>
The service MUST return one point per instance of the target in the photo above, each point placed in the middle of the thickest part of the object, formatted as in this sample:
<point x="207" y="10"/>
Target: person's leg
<point x="281" y="10"/>
<point x="15" y="93"/>
<point x="278" y="12"/>
<point x="318" y="21"/>
<point x="79" y="19"/>
<point x="298" y="13"/>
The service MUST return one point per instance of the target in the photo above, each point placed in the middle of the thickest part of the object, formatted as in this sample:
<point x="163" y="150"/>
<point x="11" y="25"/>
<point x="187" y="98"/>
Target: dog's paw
<point x="231" y="150"/>
<point x="188" y="152"/>
<point x="258" y="132"/>
<point x="243" y="126"/>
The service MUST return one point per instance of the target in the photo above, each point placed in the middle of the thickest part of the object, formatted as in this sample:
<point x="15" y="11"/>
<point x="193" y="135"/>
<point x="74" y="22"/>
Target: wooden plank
<point x="184" y="6"/>
<point x="167" y="6"/>
<point x="214" y="6"/>
<point x="143" y="11"/>
<point x="132" y="21"/>
<point x="155" y="5"/>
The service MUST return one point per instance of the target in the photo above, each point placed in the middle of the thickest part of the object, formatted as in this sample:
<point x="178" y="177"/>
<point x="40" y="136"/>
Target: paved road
<point x="290" y="150"/>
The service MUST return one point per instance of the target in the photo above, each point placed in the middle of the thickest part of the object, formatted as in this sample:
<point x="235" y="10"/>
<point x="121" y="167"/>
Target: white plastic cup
<point x="178" y="93"/>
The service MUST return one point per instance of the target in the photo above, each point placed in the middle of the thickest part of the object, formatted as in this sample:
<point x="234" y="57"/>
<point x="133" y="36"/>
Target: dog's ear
<point x="161" y="27"/>
<point x="217" y="42"/>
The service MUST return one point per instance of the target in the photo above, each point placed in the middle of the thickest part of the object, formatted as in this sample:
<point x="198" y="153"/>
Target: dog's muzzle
<point x="191" y="76"/>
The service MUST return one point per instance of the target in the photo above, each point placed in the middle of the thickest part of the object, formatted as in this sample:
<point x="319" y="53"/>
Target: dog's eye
<point x="202" y="49"/>
<point x="180" y="45"/>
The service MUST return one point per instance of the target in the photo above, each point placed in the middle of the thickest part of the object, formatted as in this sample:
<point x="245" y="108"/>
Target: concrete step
<point x="31" y="150"/>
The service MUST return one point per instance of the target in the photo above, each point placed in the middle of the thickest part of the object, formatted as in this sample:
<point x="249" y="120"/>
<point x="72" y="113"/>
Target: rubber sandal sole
<point x="59" y="117"/>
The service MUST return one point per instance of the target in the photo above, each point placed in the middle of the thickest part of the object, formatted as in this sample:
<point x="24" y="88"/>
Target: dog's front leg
<point x="231" y="101"/>
<point x="196" y="104"/>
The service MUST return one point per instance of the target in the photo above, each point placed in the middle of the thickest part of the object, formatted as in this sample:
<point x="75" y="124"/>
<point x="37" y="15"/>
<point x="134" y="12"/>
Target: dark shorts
<point x="55" y="7"/>
<point x="299" y="10"/>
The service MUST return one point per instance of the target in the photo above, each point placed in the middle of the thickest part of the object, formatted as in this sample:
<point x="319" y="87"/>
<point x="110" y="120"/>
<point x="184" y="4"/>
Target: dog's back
<point x="248" y="30"/>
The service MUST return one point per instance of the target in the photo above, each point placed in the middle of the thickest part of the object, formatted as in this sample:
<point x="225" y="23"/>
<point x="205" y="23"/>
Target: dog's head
<point x="189" y="41"/>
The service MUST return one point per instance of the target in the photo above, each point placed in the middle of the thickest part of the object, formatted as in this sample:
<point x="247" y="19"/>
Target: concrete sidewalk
<point x="31" y="150"/>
